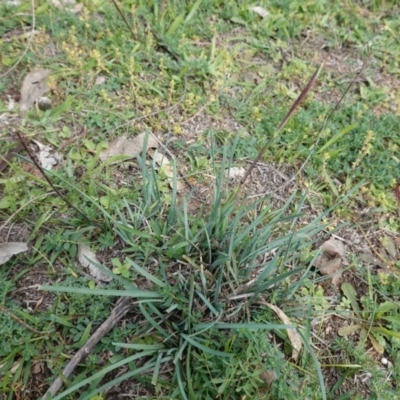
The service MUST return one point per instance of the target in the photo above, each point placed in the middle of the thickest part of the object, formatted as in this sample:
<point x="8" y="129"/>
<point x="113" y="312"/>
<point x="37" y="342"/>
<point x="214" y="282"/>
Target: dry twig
<point x="116" y="314"/>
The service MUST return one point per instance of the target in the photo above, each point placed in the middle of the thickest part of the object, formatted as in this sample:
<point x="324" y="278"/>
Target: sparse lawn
<point x="227" y="298"/>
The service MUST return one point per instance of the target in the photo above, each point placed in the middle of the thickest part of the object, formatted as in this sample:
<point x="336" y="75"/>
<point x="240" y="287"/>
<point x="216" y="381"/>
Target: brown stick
<point x="292" y="110"/>
<point x="116" y="314"/>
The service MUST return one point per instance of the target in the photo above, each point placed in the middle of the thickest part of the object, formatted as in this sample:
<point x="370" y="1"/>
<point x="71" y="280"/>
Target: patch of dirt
<point x="342" y="65"/>
<point x="13" y="232"/>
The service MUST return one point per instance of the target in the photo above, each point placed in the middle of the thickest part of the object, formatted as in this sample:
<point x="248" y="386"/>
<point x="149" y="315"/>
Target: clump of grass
<point x="203" y="332"/>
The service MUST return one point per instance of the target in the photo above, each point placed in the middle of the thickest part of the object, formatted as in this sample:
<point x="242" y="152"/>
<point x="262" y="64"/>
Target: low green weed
<point x="372" y="319"/>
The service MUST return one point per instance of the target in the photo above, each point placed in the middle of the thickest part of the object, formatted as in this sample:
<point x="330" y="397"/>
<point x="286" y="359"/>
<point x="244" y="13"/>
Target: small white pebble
<point x="386" y="363"/>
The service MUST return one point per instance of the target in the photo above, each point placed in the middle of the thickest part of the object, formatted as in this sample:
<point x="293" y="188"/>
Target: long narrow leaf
<point x="140" y="294"/>
<point x="316" y="364"/>
<point x="206" y="349"/>
<point x="249" y="325"/>
<point x="146" y="274"/>
<point x="148" y="367"/>
<point x="102" y="373"/>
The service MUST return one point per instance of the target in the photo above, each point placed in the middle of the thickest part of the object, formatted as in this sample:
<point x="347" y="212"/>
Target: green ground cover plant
<point x="203" y="264"/>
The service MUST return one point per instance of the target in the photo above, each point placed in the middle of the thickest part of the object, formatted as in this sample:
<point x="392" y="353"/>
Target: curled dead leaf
<point x="329" y="262"/>
<point x="100" y="80"/>
<point x="235" y="172"/>
<point x="47" y="157"/>
<point x="166" y="169"/>
<point x="131" y="147"/>
<point x="268" y="376"/>
<point x="88" y="259"/>
<point x="294" y="337"/>
<point x="389" y="245"/>
<point x="7" y="250"/>
<point x="36" y="367"/>
<point x="69" y="5"/>
<point x="372" y="260"/>
<point x="261" y="11"/>
<point x="33" y="86"/>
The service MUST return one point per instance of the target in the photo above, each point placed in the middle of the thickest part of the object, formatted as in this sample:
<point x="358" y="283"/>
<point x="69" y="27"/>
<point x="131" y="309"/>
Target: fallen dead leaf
<point x="33" y="87"/>
<point x="47" y="157"/>
<point x="235" y="172"/>
<point x="36" y="367"/>
<point x="70" y="5"/>
<point x="7" y="250"/>
<point x="372" y="260"/>
<point x="294" y="337"/>
<point x="11" y="103"/>
<point x="261" y="11"/>
<point x="100" y="80"/>
<point x="379" y="347"/>
<point x="15" y="367"/>
<point x="38" y="304"/>
<point x="348" y="330"/>
<point x="166" y="169"/>
<point x="389" y="246"/>
<point x="330" y="260"/>
<point x="13" y="3"/>
<point x="131" y="147"/>
<point x="84" y="255"/>
<point x="268" y="376"/>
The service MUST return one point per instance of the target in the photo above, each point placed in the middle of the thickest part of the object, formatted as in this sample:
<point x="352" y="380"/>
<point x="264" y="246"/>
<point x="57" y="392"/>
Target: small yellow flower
<point x="177" y="129"/>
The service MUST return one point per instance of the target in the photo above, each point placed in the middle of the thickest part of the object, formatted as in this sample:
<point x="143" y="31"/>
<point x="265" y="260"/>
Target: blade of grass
<point x="206" y="349"/>
<point x="222" y="325"/>
<point x="316" y="364"/>
<point x="147" y="275"/>
<point x="140" y="294"/>
<point x="102" y="373"/>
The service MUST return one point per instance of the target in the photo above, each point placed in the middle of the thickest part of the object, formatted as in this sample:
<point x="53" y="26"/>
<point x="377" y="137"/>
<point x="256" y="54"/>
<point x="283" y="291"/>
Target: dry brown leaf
<point x="11" y="103"/>
<point x="33" y="87"/>
<point x="70" y="5"/>
<point x="235" y="172"/>
<point x="166" y="169"/>
<point x="294" y="337"/>
<point x="131" y="147"/>
<point x="100" y="80"/>
<point x="261" y="11"/>
<point x="389" y="246"/>
<point x="47" y="157"/>
<point x="7" y="250"/>
<point x="84" y="255"/>
<point x="36" y="367"/>
<point x="377" y="346"/>
<point x="15" y="367"/>
<point x="348" y="330"/>
<point x="38" y="304"/>
<point x="329" y="262"/>
<point x="268" y="376"/>
<point x="372" y="260"/>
